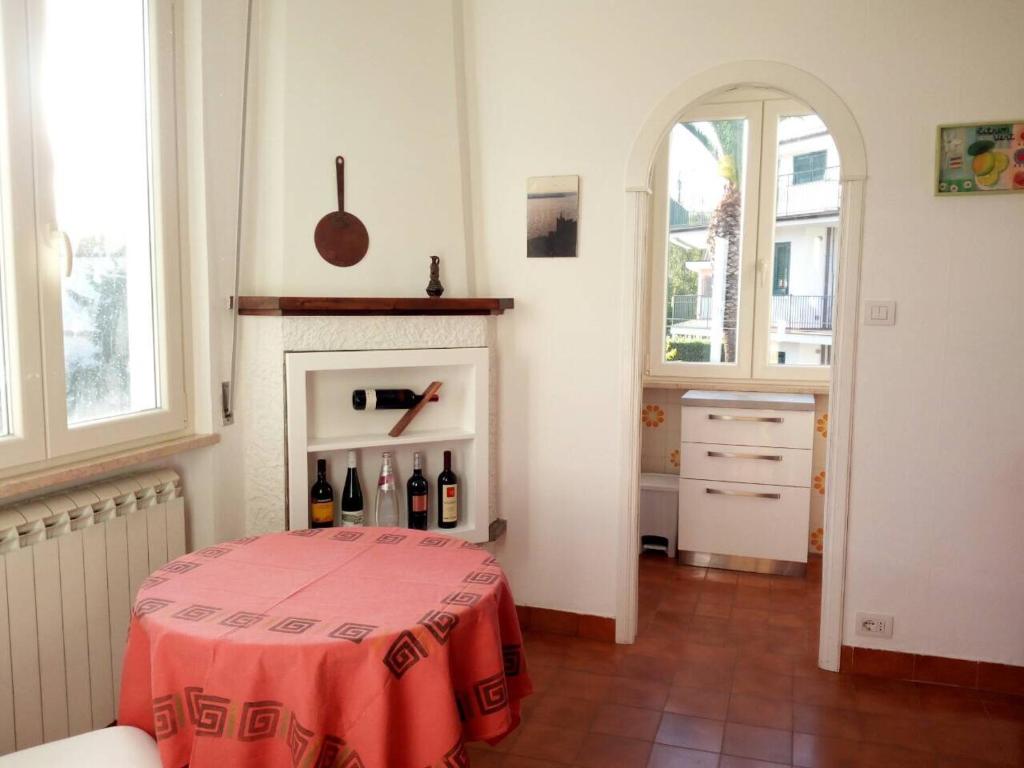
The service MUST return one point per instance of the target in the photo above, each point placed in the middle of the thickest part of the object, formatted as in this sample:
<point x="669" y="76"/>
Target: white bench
<point x="120" y="746"/>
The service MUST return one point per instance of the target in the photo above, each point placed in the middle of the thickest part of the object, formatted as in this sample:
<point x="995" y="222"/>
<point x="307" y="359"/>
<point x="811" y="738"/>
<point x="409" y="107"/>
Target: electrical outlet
<point x="874" y="624"/>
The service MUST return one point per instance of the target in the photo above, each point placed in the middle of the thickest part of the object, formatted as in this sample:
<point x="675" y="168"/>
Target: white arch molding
<point x="853" y="160"/>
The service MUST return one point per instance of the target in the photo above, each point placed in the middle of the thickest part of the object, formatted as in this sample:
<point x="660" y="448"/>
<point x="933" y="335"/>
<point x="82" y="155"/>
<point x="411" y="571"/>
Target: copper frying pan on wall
<point x="340" y="238"/>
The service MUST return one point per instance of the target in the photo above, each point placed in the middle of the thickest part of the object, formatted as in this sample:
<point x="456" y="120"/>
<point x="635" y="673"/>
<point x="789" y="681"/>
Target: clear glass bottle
<point x="385" y="511"/>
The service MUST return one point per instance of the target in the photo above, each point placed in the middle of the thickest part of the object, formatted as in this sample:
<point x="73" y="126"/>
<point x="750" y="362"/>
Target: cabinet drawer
<point x="747" y="426"/>
<point x="746" y="464"/>
<point x="731" y="519"/>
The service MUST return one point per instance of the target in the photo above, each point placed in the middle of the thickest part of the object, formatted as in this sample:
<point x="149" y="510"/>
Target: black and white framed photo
<point x="552" y="216"/>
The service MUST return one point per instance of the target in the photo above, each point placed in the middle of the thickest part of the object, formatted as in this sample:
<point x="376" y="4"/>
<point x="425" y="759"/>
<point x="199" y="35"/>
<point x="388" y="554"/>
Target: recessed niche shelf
<point x="411" y="437"/>
<point x="322" y="424"/>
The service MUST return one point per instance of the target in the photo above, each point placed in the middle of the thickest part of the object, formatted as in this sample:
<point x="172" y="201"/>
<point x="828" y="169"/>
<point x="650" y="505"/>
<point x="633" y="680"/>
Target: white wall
<point x="559" y="88"/>
<point x="374" y="82"/>
<point x="210" y="75"/>
<point x="936" y="524"/>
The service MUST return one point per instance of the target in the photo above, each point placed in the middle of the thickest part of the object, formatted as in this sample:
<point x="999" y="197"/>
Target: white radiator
<point x="70" y="565"/>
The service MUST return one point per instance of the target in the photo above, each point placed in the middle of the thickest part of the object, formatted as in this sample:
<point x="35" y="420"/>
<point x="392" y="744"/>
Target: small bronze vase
<point x="434" y="287"/>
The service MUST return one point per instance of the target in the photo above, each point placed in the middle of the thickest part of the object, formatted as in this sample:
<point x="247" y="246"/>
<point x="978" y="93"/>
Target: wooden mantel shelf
<point x="294" y="306"/>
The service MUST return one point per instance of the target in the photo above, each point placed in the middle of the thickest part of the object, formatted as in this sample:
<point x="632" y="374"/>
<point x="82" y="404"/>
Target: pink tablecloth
<point x="347" y="647"/>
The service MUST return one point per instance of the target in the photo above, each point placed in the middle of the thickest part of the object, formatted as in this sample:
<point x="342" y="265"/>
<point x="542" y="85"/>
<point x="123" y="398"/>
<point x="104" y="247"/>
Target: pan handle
<point x="340" y="167"/>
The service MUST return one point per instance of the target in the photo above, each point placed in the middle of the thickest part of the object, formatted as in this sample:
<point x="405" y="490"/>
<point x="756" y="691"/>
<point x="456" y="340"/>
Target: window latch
<point x="67" y="251"/>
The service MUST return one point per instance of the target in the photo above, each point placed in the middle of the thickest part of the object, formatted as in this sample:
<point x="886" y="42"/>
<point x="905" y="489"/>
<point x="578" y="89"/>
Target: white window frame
<point x="756" y="257"/>
<point x="39" y="403"/>
<point x="763" y="369"/>
<point x="26" y="441"/>
<point x="657" y="366"/>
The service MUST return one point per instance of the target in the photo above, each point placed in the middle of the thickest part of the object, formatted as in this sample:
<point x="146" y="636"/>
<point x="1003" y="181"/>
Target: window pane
<point x="705" y="172"/>
<point x="95" y="97"/>
<point x="806" y="243"/>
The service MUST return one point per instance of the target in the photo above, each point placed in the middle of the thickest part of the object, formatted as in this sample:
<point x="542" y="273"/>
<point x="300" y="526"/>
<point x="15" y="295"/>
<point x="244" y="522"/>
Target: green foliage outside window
<point x="96" y="332"/>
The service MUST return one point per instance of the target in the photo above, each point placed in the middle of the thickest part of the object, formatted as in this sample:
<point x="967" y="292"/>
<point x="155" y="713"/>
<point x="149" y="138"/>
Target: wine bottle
<point x="321" y="499"/>
<point x="416" y="495"/>
<point x="447" y="495"/>
<point x="352" y="495"/>
<point x="385" y="511"/>
<point x="386" y="399"/>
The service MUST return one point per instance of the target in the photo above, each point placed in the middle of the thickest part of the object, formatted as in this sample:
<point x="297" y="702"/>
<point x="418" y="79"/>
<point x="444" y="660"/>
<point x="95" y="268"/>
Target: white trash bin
<point x="659" y="512"/>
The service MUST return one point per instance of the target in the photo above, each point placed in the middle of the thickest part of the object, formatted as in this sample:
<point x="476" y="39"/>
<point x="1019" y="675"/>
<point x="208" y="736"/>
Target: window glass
<point x="95" y="110"/>
<point x="805" y="243"/>
<point x="707" y="160"/>
<point x="809" y="167"/>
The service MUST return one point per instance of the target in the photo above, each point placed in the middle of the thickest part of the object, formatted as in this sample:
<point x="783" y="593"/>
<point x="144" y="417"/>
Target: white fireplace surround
<point x="260" y="406"/>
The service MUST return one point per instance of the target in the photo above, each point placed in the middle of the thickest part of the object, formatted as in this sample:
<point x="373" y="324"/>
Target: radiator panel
<point x="97" y="618"/>
<point x="70" y="565"/>
<point x="21" y="606"/>
<point x="6" y="679"/>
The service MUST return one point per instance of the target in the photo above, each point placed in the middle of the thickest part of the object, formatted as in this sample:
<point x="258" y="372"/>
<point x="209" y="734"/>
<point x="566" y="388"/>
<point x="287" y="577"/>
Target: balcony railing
<point x="691" y="307"/>
<point x="807" y="198"/>
<point x="802" y="313"/>
<point x="794" y="313"/>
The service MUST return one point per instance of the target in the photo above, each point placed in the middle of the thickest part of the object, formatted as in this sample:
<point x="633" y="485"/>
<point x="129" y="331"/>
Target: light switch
<point x="879" y="313"/>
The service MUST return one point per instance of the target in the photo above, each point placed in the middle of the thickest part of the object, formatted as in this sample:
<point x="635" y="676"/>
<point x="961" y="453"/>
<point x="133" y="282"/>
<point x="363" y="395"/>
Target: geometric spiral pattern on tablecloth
<point x="513" y="656"/>
<point x="352" y="632"/>
<point x="243" y="619"/>
<point x="259" y="720"/>
<point x="491" y="694"/>
<point x="165" y="717"/>
<point x="480" y="577"/>
<point x="212" y="552"/>
<point x="440" y="624"/>
<point x="195" y="613"/>
<point x="433" y="541"/>
<point x="457" y="757"/>
<point x="468" y="599"/>
<point x="293" y="625"/>
<point x="209" y="714"/>
<point x="150" y="605"/>
<point x="180" y="566"/>
<point x="404" y="653"/>
<point x="297" y="740"/>
<point x="347" y="536"/>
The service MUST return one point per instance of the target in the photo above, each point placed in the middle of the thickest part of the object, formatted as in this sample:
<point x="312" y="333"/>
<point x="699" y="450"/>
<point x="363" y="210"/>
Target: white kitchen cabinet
<point x="745" y="476"/>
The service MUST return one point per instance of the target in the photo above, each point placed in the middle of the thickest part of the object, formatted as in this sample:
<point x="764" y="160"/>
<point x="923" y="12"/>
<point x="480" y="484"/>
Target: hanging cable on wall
<point x="227" y="388"/>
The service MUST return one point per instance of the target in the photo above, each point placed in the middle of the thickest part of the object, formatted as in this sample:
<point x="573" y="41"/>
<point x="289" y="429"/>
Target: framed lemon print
<point x="980" y="158"/>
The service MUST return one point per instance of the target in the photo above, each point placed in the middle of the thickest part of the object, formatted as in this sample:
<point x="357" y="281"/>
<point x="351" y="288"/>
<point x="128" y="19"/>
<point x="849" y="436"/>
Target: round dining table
<point x="325" y="648"/>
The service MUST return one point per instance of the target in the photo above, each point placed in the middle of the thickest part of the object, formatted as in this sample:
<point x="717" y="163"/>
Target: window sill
<point x="88" y="469"/>
<point x="738" y="385"/>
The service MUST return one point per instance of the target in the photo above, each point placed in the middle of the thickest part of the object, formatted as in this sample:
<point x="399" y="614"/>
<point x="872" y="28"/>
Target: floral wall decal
<point x="817" y="539"/>
<point x="660" y="417"/>
<point x="819" y="447"/>
<point x="673" y="458"/>
<point x="652" y="416"/>
<point x="819" y="482"/>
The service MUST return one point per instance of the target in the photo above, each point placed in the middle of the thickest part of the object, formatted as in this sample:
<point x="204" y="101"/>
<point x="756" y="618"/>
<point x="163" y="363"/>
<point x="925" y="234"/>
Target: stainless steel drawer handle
<point x="749" y="494"/>
<point x="768" y="419"/>
<point x="732" y="455"/>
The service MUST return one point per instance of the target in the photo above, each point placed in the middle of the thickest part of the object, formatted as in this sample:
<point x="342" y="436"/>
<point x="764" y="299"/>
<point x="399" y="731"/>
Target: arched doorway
<point x="846" y="133"/>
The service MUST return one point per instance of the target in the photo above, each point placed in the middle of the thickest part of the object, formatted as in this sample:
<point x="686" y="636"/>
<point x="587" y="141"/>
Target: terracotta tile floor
<point x="723" y="675"/>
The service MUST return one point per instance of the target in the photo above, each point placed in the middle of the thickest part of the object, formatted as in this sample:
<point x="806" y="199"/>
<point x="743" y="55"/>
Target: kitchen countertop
<point x="761" y="400"/>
